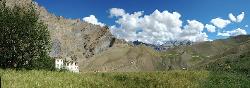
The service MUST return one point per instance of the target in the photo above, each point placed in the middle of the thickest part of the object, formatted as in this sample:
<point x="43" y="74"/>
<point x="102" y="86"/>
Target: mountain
<point x="71" y="37"/>
<point x="207" y="53"/>
<point x="203" y="55"/>
<point x="125" y="58"/>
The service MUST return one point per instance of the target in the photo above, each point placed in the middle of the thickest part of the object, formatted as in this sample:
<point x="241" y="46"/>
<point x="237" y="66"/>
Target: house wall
<point x="58" y="63"/>
<point x="72" y="67"/>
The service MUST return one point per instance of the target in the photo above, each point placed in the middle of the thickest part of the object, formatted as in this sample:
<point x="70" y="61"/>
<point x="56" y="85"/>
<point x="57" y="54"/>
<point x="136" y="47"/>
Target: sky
<point x="158" y="21"/>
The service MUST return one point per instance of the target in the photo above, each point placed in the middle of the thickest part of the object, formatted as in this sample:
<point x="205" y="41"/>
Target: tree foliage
<point x="24" y="40"/>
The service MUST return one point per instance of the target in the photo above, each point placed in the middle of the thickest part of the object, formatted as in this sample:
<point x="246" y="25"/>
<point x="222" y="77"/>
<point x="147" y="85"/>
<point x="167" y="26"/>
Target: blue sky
<point x="200" y="10"/>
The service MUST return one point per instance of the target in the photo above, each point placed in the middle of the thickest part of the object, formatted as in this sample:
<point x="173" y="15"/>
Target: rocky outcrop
<point x="72" y="37"/>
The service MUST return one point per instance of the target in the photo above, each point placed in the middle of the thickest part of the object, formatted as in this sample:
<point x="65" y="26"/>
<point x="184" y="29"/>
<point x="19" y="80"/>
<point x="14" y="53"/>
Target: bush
<point x="24" y="40"/>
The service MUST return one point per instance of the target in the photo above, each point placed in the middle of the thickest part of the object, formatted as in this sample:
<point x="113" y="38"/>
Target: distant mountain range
<point x="165" y="46"/>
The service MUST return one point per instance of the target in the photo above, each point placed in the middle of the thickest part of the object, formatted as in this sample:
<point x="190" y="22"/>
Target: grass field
<point x="170" y="79"/>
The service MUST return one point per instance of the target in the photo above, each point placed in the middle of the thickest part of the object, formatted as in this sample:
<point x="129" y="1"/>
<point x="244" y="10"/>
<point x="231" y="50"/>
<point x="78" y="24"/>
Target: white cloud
<point x="210" y="28"/>
<point x="220" y="23"/>
<point x="93" y="20"/>
<point x="156" y="28"/>
<point x="232" y="17"/>
<point x="116" y="12"/>
<point x="193" y="32"/>
<point x="240" y="17"/>
<point x="235" y="32"/>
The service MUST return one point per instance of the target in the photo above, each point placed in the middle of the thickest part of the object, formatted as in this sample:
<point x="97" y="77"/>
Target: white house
<point x="72" y="66"/>
<point x="59" y="63"/>
<point x="67" y="63"/>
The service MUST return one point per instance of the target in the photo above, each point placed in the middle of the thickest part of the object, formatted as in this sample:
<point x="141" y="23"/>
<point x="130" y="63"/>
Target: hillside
<point x="202" y="53"/>
<point x="125" y="58"/>
<point x="235" y="60"/>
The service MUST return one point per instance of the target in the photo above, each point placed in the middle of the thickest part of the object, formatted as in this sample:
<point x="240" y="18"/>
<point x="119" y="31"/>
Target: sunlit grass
<point x="172" y="79"/>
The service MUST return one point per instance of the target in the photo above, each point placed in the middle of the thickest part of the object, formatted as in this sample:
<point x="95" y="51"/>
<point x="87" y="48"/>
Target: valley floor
<point x="166" y="79"/>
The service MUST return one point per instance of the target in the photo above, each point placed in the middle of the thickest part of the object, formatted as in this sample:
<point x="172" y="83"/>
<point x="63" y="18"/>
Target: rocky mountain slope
<point x="125" y="58"/>
<point x="71" y="37"/>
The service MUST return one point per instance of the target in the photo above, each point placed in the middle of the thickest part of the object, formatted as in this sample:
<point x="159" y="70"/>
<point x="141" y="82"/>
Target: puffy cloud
<point x="238" y="19"/>
<point x="235" y="32"/>
<point x="232" y="17"/>
<point x="210" y="28"/>
<point x="116" y="12"/>
<point x="156" y="28"/>
<point x="193" y="32"/>
<point x="93" y="20"/>
<point x="220" y="23"/>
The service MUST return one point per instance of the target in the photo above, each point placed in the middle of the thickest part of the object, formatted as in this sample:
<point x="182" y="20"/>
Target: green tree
<point x="24" y="39"/>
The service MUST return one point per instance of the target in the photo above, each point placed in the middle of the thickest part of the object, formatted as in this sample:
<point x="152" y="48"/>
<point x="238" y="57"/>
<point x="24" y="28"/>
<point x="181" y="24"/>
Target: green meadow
<point x="165" y="79"/>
